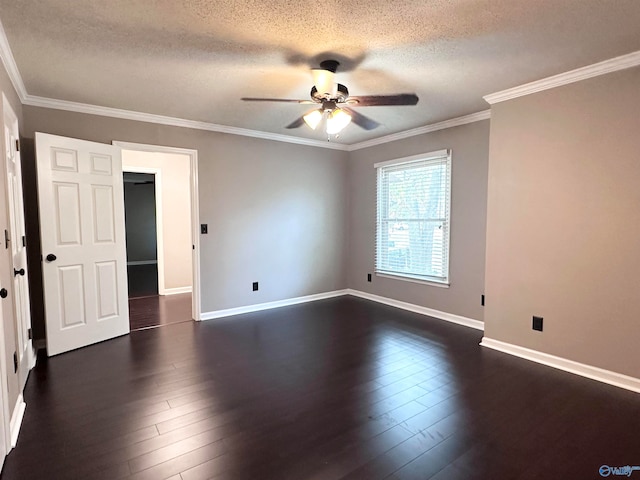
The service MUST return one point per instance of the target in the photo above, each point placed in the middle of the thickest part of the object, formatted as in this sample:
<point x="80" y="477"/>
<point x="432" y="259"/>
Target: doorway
<point x="141" y="233"/>
<point x="160" y="186"/>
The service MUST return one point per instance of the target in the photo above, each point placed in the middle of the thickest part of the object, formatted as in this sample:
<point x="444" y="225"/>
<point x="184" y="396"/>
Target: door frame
<point x="196" y="308"/>
<point x="157" y="173"/>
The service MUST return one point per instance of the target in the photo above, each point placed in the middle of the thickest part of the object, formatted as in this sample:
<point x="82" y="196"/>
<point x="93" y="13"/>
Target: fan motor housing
<point x="340" y="97"/>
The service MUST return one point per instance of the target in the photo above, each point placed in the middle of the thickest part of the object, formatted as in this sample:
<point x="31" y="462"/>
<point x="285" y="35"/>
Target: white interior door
<point x="17" y="244"/>
<point x="83" y="241"/>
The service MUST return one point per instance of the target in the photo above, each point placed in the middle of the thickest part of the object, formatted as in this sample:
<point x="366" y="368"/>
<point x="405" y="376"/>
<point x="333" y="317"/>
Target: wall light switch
<point x="204" y="229"/>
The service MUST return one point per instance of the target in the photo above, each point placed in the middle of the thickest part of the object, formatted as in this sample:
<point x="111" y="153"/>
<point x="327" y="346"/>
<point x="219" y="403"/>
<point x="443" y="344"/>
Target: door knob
<point x="51" y="257"/>
<point x="3" y="293"/>
<point x="18" y="272"/>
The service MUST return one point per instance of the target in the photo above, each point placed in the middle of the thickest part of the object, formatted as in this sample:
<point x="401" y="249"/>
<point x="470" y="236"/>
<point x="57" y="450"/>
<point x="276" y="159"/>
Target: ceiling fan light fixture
<point x="337" y="120"/>
<point x="313" y="118"/>
<point x="324" y="82"/>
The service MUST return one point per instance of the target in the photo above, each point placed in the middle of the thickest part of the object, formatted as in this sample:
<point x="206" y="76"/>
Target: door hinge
<point x="30" y="334"/>
<point x="15" y="362"/>
<point x="24" y="241"/>
<point x="6" y="238"/>
<point x="17" y="145"/>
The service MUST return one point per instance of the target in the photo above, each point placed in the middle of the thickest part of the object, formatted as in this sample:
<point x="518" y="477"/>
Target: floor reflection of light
<point x="410" y="367"/>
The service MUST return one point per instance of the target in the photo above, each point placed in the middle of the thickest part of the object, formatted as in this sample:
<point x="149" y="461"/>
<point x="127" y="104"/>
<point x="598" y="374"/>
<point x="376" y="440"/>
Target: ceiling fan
<point x="335" y="104"/>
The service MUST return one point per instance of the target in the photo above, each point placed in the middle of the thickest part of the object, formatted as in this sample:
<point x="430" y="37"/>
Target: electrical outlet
<point x="368" y="277"/>
<point x="255" y="286"/>
<point x="537" y="323"/>
<point x="204" y="228"/>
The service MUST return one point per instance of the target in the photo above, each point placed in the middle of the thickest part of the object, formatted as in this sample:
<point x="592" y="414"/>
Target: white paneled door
<point x="83" y="241"/>
<point x="25" y="356"/>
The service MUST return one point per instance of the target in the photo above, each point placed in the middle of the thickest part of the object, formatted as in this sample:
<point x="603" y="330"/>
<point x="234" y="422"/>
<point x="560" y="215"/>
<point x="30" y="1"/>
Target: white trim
<point x="269" y="305"/>
<point x="147" y="147"/>
<point x="438" y="154"/>
<point x="452" y="122"/>
<point x="157" y="173"/>
<point x="10" y="65"/>
<point x="66" y="105"/>
<point x="176" y="290"/>
<point x="196" y="305"/>
<point x="608" y="66"/>
<point x="588" y="371"/>
<point x="408" y="278"/>
<point x="141" y="262"/>
<point x="16" y="419"/>
<point x="449" y="317"/>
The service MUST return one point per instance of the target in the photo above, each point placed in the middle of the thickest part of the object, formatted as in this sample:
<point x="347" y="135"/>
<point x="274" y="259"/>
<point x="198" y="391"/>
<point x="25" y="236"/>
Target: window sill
<point x="404" y="278"/>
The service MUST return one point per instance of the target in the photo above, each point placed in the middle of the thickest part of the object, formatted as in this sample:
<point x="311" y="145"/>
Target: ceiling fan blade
<point x="383" y="100"/>
<point x="296" y="123"/>
<point x="282" y="100"/>
<point x="361" y="120"/>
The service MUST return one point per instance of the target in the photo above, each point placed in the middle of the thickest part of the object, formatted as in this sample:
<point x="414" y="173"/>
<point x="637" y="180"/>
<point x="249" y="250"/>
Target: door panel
<point x="82" y="225"/>
<point x="107" y="279"/>
<point x="71" y="296"/>
<point x="104" y="223"/>
<point x="67" y="213"/>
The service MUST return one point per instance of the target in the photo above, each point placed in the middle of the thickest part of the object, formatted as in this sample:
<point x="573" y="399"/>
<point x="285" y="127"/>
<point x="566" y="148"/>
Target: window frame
<point x="438" y="156"/>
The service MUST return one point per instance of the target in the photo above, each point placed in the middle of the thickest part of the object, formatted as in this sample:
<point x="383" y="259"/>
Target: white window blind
<point x="413" y="207"/>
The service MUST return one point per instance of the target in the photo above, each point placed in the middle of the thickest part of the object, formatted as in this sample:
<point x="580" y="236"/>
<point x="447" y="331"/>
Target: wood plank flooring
<point x="158" y="310"/>
<point x="335" y="389"/>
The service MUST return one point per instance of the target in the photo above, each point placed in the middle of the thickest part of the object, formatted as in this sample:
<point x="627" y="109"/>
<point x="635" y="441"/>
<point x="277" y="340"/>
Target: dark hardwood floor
<point x="335" y="389"/>
<point x="158" y="310"/>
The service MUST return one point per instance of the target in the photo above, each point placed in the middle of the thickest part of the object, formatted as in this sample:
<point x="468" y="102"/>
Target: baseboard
<point x="135" y="263"/>
<point x="449" y="317"/>
<point x="177" y="290"/>
<point x="588" y="371"/>
<point x="269" y="305"/>
<point x="16" y="420"/>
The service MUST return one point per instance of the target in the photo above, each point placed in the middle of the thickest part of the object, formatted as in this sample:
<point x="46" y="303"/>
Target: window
<point x="412" y="228"/>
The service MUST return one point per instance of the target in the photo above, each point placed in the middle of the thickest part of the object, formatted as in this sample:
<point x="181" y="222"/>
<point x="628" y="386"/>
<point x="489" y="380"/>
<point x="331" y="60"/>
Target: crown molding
<point x="44" y="102"/>
<point x="608" y="66"/>
<point x="453" y="122"/>
<point x="10" y="65"/>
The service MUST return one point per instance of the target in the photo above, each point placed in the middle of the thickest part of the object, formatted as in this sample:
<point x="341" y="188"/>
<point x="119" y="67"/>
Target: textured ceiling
<point x="195" y="59"/>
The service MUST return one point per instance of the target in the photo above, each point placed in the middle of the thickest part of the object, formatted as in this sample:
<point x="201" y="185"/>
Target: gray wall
<point x="6" y="277"/>
<point x="470" y="150"/>
<point x="563" y="227"/>
<point x="275" y="210"/>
